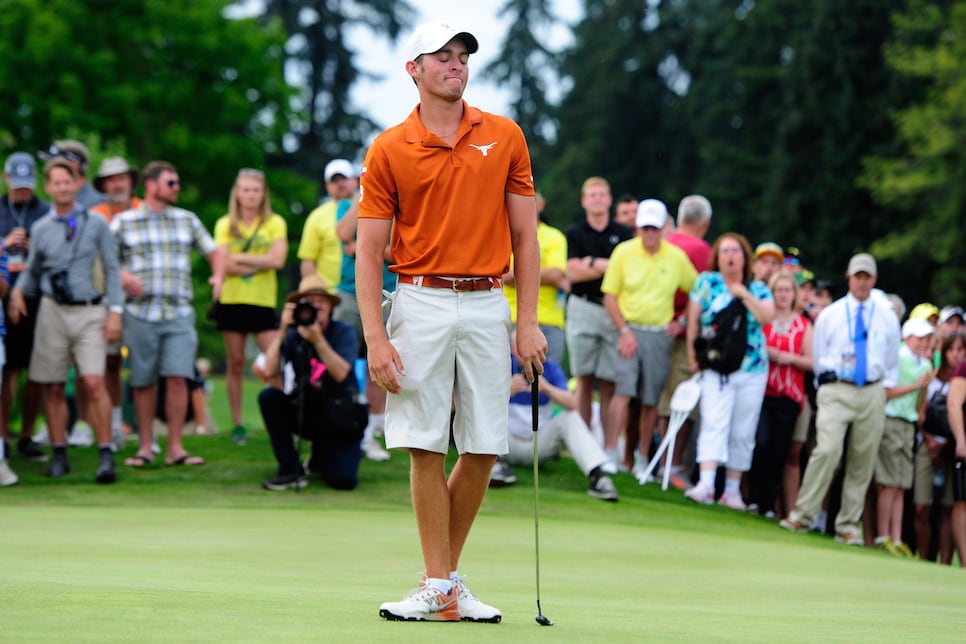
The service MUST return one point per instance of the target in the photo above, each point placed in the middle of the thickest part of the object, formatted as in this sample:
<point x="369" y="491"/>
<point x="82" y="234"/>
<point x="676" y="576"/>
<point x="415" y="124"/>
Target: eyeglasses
<point x="251" y="172"/>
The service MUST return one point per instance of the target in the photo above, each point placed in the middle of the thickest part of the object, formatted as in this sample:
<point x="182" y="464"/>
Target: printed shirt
<point x="712" y="293"/>
<point x="553" y="254"/>
<point x="260" y="288"/>
<point x="645" y="284"/>
<point x="911" y="367"/>
<point x="156" y="248"/>
<point x="785" y="380"/>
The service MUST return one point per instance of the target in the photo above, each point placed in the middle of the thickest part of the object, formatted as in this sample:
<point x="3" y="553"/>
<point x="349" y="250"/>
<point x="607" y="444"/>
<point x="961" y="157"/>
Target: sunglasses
<point x="171" y="183"/>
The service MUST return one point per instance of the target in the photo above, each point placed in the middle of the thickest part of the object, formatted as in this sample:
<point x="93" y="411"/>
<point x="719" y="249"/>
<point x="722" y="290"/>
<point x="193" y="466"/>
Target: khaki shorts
<point x="455" y="347"/>
<point x="805" y="423"/>
<point x="893" y="468"/>
<point x="678" y="373"/>
<point x="922" y="489"/>
<point x="64" y="331"/>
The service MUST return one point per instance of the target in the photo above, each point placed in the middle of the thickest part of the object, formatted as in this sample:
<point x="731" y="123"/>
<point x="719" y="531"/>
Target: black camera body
<point x="61" y="288"/>
<point x="305" y="313"/>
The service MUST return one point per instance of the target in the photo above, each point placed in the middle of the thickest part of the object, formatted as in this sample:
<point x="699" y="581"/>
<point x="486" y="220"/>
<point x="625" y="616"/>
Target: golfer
<point x="454" y="186"/>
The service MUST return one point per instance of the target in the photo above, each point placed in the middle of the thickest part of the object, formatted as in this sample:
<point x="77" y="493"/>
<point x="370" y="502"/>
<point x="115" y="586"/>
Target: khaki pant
<point x="839" y="405"/>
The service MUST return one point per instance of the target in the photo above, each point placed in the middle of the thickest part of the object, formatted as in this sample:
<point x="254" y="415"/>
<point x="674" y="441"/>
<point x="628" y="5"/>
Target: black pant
<point x="776" y="425"/>
<point x="338" y="461"/>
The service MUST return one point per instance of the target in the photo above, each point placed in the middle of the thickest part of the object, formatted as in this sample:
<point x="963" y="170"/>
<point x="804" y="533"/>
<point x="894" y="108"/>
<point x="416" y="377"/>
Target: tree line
<point x="829" y="126"/>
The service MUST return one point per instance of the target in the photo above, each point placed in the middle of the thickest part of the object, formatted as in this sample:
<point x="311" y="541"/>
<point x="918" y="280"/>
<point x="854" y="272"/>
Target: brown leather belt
<point x="458" y="284"/>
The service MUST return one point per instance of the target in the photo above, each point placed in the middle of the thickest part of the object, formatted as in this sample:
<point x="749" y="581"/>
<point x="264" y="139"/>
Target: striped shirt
<point x="156" y="248"/>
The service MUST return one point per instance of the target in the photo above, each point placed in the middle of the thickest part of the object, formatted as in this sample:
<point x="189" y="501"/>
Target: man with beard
<point x="154" y="245"/>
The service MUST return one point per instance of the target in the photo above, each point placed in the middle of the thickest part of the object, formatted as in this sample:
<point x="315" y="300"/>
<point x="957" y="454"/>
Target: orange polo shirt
<point x="448" y="203"/>
<point x="104" y="208"/>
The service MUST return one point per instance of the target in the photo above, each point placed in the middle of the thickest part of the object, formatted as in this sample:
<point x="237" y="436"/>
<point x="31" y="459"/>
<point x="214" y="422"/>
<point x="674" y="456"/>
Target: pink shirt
<point x="699" y="252"/>
<point x="786" y="381"/>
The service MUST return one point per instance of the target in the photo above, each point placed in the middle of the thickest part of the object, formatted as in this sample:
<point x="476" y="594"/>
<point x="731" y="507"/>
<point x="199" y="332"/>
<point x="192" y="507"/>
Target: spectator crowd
<point x="838" y="413"/>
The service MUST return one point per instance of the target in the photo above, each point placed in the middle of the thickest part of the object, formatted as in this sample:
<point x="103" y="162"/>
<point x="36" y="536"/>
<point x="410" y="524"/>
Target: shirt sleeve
<point x="202" y="240"/>
<point x="377" y="185"/>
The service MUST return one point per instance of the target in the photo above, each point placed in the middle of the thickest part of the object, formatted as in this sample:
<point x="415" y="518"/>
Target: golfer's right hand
<point x="385" y="366"/>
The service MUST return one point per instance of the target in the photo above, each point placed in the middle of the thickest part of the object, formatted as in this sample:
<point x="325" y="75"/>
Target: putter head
<point x="543" y="620"/>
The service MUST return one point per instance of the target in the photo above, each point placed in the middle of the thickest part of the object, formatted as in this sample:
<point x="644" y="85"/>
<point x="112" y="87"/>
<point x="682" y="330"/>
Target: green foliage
<point x="523" y="66"/>
<point x="925" y="179"/>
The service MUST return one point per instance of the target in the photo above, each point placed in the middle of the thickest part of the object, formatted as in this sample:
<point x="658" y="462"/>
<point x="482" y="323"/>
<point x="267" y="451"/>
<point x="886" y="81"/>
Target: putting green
<point x="268" y="574"/>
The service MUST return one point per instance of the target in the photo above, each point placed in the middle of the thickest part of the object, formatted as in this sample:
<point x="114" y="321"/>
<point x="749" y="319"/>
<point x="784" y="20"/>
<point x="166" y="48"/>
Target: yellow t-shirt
<point x="645" y="284"/>
<point x="553" y="254"/>
<point x="260" y="289"/>
<point x="321" y="243"/>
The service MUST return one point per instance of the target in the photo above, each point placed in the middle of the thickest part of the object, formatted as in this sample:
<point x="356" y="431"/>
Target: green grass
<point x="203" y="554"/>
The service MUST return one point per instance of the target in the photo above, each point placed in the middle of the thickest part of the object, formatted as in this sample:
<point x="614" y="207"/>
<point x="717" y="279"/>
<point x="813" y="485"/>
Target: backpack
<point x="721" y="346"/>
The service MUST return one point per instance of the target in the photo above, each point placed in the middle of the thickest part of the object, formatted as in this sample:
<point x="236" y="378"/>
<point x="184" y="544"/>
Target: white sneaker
<point x="501" y="475"/>
<point x="603" y="488"/>
<point x="117" y="439"/>
<point x="423" y="604"/>
<point x="819" y="524"/>
<point x="374" y="451"/>
<point x="8" y="477"/>
<point x="701" y="494"/>
<point x="471" y="608"/>
<point x="733" y="500"/>
<point x="41" y="435"/>
<point x="81" y="436"/>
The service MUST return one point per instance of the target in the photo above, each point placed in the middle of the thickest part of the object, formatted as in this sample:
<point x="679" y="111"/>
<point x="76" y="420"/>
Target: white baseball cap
<point x="338" y="166"/>
<point x="432" y="36"/>
<point x="917" y="327"/>
<point x="651" y="212"/>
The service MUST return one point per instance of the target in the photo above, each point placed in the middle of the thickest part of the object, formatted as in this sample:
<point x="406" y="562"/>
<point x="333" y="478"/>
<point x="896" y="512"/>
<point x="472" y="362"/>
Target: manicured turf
<point x="203" y="554"/>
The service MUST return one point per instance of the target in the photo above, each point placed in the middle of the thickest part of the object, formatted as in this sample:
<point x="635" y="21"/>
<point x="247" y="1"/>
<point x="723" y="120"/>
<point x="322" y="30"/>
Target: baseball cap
<point x="917" y="327"/>
<point x="21" y="170"/>
<point x="68" y="148"/>
<point x="432" y="36"/>
<point x="651" y="212"/>
<point x="862" y="263"/>
<point x="338" y="166"/>
<point x="950" y="311"/>
<point x="924" y="311"/>
<point x="769" y="248"/>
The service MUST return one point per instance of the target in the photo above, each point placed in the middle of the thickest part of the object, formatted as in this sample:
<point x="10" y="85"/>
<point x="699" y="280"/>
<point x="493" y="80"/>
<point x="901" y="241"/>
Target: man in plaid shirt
<point x="154" y="246"/>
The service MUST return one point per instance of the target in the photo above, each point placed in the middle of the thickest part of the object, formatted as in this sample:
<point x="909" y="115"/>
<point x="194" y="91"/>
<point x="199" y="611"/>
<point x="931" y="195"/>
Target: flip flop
<point x="137" y="461"/>
<point x="187" y="459"/>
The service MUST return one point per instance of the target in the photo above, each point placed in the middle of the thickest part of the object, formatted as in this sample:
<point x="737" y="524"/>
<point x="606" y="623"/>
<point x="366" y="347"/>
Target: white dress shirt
<point x="833" y="341"/>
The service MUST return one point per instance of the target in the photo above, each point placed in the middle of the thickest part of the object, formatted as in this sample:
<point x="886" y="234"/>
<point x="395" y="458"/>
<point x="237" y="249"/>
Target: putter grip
<point x="534" y="401"/>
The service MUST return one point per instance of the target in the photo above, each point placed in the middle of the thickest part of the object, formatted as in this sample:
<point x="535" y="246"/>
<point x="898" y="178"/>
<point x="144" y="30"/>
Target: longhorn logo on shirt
<point x="485" y="149"/>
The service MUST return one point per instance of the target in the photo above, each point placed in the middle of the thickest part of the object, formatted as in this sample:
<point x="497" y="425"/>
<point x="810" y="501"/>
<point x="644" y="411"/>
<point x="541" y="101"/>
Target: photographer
<point x="314" y="356"/>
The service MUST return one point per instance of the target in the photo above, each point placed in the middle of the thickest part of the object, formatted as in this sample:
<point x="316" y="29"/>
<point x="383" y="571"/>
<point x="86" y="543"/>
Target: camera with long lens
<point x="305" y="313"/>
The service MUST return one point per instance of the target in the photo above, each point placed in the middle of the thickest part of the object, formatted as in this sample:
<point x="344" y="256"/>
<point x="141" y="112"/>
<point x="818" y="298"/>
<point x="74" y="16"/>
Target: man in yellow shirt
<point x="639" y="286"/>
<point x="553" y="279"/>
<point x="321" y="248"/>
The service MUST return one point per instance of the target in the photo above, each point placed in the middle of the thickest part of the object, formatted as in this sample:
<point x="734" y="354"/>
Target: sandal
<point x="137" y="461"/>
<point x="187" y="459"/>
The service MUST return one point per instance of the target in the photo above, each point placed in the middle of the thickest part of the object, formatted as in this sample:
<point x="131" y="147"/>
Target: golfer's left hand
<point x="531" y="349"/>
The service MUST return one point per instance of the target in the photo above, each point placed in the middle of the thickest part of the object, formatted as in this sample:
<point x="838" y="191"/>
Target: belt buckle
<point x="453" y="285"/>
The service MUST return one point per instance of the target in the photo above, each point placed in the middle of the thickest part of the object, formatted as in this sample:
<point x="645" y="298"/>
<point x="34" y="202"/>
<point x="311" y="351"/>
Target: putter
<point x="542" y="619"/>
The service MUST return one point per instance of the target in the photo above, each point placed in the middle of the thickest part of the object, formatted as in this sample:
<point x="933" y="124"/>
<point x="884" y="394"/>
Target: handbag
<point x="936" y="421"/>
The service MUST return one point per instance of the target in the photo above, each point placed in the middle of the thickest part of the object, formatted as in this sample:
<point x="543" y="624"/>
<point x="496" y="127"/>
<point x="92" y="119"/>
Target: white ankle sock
<point x="731" y="485"/>
<point x="442" y="585"/>
<point x="706" y="478"/>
